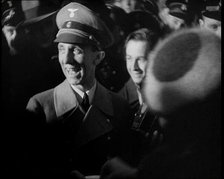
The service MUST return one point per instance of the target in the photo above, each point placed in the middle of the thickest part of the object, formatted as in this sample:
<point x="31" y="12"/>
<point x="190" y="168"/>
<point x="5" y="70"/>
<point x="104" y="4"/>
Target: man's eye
<point x="214" y="27"/>
<point x="142" y="59"/>
<point x="77" y="50"/>
<point x="128" y="58"/>
<point x="61" y="49"/>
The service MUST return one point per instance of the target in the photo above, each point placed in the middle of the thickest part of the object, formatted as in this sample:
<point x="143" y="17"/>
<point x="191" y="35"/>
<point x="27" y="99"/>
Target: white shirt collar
<point x="89" y="92"/>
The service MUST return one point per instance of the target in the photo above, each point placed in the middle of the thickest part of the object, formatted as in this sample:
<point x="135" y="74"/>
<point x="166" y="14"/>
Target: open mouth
<point x="137" y="73"/>
<point x="72" y="71"/>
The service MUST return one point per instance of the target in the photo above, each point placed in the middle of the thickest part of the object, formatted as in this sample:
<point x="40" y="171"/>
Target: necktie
<point x="85" y="102"/>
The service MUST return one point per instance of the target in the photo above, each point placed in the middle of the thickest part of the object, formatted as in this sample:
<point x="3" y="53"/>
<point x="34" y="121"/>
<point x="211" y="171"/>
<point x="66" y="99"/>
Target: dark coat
<point x="142" y="134"/>
<point x="81" y="141"/>
<point x="129" y="92"/>
<point x="191" y="147"/>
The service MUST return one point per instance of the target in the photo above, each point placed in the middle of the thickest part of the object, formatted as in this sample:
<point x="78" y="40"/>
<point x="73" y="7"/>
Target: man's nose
<point x="135" y="64"/>
<point x="69" y="57"/>
<point x="218" y="32"/>
<point x="128" y="2"/>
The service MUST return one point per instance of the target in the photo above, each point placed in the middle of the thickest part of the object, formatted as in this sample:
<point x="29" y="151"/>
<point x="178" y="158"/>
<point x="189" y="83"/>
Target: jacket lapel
<point x="64" y="99"/>
<point x="132" y="92"/>
<point x="102" y="100"/>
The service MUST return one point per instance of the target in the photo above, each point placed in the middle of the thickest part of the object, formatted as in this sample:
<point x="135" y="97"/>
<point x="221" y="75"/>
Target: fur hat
<point x="184" y="68"/>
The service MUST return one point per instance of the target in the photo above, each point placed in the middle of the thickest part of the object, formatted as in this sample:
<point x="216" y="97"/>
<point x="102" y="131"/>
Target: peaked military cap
<point x="178" y="8"/>
<point x="142" y="19"/>
<point x="79" y="24"/>
<point x="12" y="13"/>
<point x="212" y="9"/>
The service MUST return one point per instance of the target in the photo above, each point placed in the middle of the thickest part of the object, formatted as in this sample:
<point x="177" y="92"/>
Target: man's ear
<point x="99" y="57"/>
<point x="201" y="22"/>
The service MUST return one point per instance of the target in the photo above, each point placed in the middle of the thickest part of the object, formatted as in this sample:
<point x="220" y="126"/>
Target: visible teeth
<point x="74" y="68"/>
<point x="71" y="71"/>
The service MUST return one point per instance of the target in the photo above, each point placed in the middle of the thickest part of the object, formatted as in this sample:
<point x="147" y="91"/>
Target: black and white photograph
<point x="111" y="89"/>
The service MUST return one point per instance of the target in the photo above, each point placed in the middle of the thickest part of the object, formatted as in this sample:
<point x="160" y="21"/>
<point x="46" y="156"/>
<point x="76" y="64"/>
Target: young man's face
<point x="211" y="24"/>
<point x="78" y="63"/>
<point x="136" y="59"/>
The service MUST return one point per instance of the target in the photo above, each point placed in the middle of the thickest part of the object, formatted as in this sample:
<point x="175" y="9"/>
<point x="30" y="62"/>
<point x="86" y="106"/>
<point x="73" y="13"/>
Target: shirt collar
<point x="89" y="92"/>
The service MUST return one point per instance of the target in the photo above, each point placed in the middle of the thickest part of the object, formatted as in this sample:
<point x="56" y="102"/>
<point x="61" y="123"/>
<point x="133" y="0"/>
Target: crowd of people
<point x="111" y="89"/>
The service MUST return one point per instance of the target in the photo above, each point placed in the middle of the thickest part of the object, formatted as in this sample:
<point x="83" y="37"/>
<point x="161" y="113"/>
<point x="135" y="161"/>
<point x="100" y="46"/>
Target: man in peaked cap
<point x="19" y="17"/>
<point x="12" y="15"/>
<point x="87" y="123"/>
<point x="211" y="16"/>
<point x="179" y="14"/>
<point x="82" y="26"/>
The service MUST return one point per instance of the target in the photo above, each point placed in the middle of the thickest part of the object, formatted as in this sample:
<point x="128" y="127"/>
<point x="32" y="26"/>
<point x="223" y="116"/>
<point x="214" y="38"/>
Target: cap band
<point x="78" y="29"/>
<point x="212" y="8"/>
<point x="181" y="6"/>
<point x="81" y="27"/>
<point x="178" y="10"/>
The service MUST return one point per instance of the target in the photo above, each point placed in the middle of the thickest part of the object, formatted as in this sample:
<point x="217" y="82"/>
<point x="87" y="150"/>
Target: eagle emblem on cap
<point x="72" y="12"/>
<point x="183" y="7"/>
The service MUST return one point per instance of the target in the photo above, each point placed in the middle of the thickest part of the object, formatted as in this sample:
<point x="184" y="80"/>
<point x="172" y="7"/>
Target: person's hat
<point x="12" y="13"/>
<point x="141" y="19"/>
<point x="79" y="24"/>
<point x="178" y="8"/>
<point x="212" y="9"/>
<point x="38" y="10"/>
<point x="150" y="6"/>
<point x="119" y="17"/>
<point x="117" y="14"/>
<point x="184" y="68"/>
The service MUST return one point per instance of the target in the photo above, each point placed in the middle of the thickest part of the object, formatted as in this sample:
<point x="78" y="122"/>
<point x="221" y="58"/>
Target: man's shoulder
<point x="128" y="88"/>
<point x="116" y="99"/>
<point x="119" y="103"/>
<point x="48" y="94"/>
<point x="43" y="96"/>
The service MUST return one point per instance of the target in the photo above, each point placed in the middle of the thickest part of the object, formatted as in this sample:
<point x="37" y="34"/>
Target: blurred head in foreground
<point x="184" y="69"/>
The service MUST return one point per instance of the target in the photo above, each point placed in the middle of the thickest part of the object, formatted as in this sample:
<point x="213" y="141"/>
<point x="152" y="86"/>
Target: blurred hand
<point x="77" y="175"/>
<point x="117" y="169"/>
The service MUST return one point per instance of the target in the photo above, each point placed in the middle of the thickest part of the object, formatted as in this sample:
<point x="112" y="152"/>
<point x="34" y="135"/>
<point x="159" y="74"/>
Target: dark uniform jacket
<point x="142" y="124"/>
<point x="79" y="141"/>
<point x="129" y="92"/>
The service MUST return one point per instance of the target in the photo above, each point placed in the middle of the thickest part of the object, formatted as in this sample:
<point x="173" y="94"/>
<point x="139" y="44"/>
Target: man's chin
<point x="73" y="81"/>
<point x="137" y="81"/>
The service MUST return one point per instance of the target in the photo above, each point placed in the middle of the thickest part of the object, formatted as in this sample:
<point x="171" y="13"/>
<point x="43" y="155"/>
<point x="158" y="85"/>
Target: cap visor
<point x="178" y="15"/>
<point x="71" y="38"/>
<point x="213" y="15"/>
<point x="36" y="19"/>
